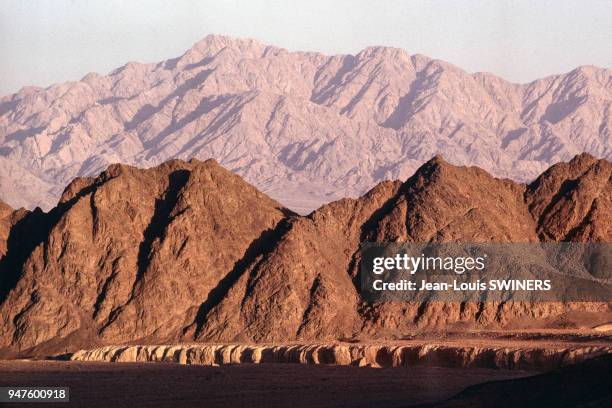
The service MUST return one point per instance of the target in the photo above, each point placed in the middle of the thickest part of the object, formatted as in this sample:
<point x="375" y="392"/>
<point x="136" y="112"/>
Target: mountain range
<point x="303" y="127"/>
<point x="189" y="251"/>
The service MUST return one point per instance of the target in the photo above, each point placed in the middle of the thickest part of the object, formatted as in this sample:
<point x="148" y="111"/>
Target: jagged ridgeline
<point x="190" y="251"/>
<point x="305" y="128"/>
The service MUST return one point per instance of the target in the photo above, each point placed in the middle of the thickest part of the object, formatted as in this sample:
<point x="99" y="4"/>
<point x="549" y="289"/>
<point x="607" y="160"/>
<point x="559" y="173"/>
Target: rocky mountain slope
<point x="189" y="251"/>
<point x="305" y="128"/>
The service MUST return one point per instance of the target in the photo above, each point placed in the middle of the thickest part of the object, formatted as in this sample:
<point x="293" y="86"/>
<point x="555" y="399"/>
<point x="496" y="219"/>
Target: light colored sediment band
<point x="526" y="358"/>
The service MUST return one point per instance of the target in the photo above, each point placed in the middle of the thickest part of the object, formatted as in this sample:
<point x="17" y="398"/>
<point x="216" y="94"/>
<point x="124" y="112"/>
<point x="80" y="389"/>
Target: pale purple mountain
<point x="305" y="128"/>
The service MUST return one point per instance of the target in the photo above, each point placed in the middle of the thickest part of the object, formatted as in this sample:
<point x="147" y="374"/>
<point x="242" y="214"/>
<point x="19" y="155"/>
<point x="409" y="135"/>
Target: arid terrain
<point x="92" y="384"/>
<point x="303" y="127"/>
<point x="266" y="385"/>
<point x="185" y="279"/>
<point x="188" y="251"/>
<point x="244" y="225"/>
<point x="582" y="385"/>
<point x="501" y="350"/>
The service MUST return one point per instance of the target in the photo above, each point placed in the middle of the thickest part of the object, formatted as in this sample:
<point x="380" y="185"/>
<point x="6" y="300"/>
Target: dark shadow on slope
<point x="261" y="246"/>
<point x="586" y="384"/>
<point x="227" y="116"/>
<point x="582" y="226"/>
<point x="565" y="190"/>
<point x="170" y="64"/>
<point x="369" y="229"/>
<point x="406" y="106"/>
<point x="205" y="61"/>
<point x="7" y="106"/>
<point x="161" y="219"/>
<point x="367" y="234"/>
<point x="29" y="232"/>
<point x="24" y="236"/>
<point x="110" y="100"/>
<point x="155" y="230"/>
<point x="349" y="62"/>
<point x="149" y="110"/>
<point x="293" y="154"/>
<point x="426" y="171"/>
<point x="23" y="134"/>
<point x="513" y="135"/>
<point x="556" y="112"/>
<point x="314" y="291"/>
<point x="206" y="105"/>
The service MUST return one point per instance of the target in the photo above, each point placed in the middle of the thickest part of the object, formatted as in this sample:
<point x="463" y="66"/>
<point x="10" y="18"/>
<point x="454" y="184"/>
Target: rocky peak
<point x="570" y="201"/>
<point x="304" y="127"/>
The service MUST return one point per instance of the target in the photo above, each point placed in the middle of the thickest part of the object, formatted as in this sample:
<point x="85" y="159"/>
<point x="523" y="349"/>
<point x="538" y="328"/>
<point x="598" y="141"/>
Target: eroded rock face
<point x="5" y="226"/>
<point x="572" y="201"/>
<point x="305" y="128"/>
<point x="429" y="355"/>
<point x="189" y="251"/>
<point x="133" y="252"/>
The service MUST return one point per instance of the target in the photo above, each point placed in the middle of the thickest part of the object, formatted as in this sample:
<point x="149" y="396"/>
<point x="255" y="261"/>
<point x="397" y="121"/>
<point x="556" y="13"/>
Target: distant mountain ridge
<point x="305" y="128"/>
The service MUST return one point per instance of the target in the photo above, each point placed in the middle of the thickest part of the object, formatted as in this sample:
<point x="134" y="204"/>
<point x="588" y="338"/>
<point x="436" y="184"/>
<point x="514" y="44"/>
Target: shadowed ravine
<point x="190" y="252"/>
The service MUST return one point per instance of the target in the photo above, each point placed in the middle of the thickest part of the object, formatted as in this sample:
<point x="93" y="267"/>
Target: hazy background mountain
<point x="305" y="128"/>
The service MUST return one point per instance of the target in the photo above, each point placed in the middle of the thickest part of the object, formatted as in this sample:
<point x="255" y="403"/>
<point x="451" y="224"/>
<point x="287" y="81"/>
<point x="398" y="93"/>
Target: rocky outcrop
<point x="307" y="287"/>
<point x="6" y="223"/>
<point x="428" y="355"/>
<point x="132" y="253"/>
<point x="305" y="128"/>
<point x="573" y="201"/>
<point x="188" y="251"/>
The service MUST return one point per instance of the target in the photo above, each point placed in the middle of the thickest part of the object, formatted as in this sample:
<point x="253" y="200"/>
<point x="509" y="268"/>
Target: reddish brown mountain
<point x="130" y="253"/>
<point x="5" y="226"/>
<point x="189" y="251"/>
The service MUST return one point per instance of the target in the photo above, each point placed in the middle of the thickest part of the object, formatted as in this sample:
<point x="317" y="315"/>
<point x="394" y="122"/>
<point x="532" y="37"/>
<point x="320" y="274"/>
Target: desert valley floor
<point x="279" y="385"/>
<point x="267" y="385"/>
<point x="530" y="368"/>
